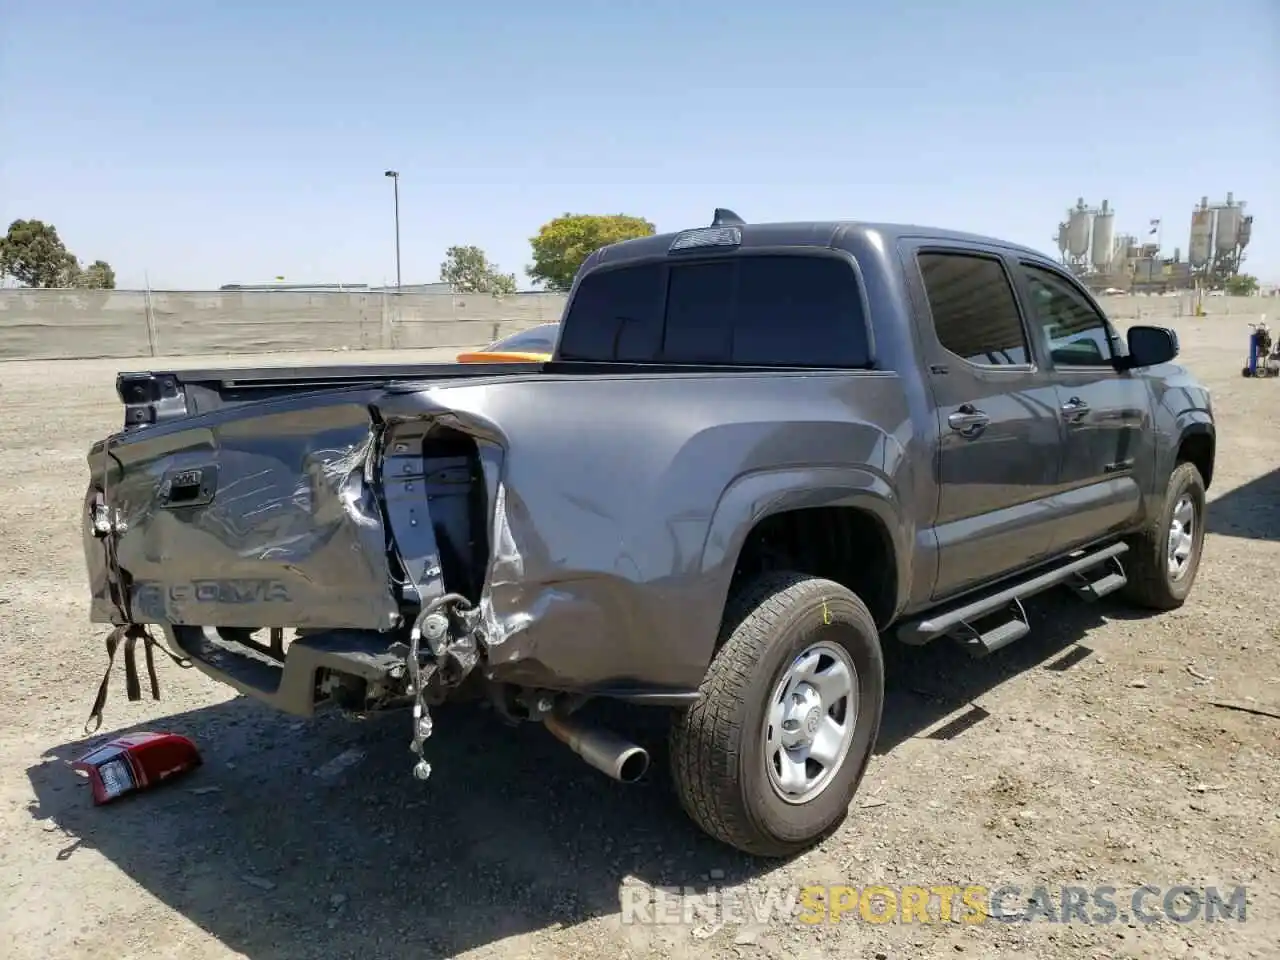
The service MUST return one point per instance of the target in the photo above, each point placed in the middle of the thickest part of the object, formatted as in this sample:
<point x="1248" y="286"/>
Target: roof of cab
<point x="818" y="233"/>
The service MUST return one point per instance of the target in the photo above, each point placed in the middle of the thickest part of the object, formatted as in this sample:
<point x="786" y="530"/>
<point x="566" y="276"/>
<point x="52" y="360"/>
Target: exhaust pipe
<point x="607" y="752"/>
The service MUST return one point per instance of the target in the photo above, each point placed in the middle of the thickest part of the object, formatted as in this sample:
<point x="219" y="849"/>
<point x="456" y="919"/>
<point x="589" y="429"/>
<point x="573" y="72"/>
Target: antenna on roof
<point x="724" y="217"/>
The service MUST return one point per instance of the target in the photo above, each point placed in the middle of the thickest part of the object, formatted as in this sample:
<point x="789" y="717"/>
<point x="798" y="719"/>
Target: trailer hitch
<point x="449" y="626"/>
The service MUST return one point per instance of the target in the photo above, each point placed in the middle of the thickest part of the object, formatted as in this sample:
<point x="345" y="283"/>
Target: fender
<point x="1187" y="424"/>
<point x="1194" y="423"/>
<point x="1179" y="427"/>
<point x="752" y="497"/>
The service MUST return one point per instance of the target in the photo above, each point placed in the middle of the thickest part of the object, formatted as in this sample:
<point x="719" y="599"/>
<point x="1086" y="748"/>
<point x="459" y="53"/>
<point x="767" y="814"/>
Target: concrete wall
<point x="1155" y="309"/>
<point x="84" y="324"/>
<point x="72" y="324"/>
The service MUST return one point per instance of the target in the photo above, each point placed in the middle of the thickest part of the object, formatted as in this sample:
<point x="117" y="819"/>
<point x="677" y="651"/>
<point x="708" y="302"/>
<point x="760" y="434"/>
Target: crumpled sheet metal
<point x="292" y="537"/>
<point x="600" y="519"/>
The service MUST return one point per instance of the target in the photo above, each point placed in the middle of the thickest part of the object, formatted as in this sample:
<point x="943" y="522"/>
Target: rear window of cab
<point x="790" y="309"/>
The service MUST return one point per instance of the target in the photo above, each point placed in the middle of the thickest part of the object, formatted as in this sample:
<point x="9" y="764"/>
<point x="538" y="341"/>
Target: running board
<point x="1111" y="579"/>
<point x="1004" y="606"/>
<point x="1007" y="625"/>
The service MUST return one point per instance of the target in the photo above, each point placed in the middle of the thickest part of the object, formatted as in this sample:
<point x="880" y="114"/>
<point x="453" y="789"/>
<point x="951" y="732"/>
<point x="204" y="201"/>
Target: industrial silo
<point x="1200" y="247"/>
<point x="1229" y="217"/>
<point x="1246" y="231"/>
<point x="1104" y="234"/>
<point x="1079" y="222"/>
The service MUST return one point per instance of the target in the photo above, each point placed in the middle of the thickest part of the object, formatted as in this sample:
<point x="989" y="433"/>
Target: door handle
<point x="968" y="421"/>
<point x="1075" y="410"/>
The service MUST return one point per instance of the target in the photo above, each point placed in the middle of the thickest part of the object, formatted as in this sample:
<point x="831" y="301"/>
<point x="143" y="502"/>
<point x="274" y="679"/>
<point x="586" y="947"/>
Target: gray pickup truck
<point x="758" y="453"/>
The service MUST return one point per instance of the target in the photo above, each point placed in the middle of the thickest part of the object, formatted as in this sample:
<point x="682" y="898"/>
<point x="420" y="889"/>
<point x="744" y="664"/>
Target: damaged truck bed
<point x="758" y="452"/>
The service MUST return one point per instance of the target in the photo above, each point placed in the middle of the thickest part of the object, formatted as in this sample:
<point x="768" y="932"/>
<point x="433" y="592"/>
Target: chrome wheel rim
<point x="1182" y="531"/>
<point x="810" y="721"/>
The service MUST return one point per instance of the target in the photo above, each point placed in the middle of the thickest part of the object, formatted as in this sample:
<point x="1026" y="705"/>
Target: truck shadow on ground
<point x="1251" y="511"/>
<point x="277" y="857"/>
<point x="940" y="682"/>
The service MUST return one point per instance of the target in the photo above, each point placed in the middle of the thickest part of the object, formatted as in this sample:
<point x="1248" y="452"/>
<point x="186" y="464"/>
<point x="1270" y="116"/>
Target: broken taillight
<point x="135" y="762"/>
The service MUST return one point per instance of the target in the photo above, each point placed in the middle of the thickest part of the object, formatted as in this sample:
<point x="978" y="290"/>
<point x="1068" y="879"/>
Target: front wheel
<point x="770" y="757"/>
<point x="1164" y="558"/>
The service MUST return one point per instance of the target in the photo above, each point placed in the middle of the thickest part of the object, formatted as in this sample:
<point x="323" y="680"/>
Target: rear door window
<point x="750" y="310"/>
<point x="975" y="314"/>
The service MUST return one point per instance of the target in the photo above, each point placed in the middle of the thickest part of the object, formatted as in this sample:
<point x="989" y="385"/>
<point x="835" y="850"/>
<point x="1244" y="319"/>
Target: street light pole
<point x="395" y="180"/>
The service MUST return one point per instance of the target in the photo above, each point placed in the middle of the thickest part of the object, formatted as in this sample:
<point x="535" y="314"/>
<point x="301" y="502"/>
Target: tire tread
<point x="1148" y="586"/>
<point x="706" y="740"/>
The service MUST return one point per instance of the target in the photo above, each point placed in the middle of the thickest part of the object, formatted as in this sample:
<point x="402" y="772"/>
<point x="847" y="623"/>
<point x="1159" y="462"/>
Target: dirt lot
<point x="1087" y="754"/>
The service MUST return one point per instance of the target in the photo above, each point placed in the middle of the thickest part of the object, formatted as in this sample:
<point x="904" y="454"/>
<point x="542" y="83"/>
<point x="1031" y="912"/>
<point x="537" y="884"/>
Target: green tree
<point x="1241" y="285"/>
<point x="34" y="255"/>
<point x="469" y="271"/>
<point x="97" y="276"/>
<point x="565" y="242"/>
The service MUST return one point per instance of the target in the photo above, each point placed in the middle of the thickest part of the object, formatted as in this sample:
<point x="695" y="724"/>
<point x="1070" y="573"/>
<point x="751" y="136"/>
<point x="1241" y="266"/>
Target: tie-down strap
<point x="130" y="633"/>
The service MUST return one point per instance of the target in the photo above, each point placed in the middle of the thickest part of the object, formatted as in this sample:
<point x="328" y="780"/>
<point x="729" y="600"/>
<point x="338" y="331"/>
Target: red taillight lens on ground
<point x="135" y="762"/>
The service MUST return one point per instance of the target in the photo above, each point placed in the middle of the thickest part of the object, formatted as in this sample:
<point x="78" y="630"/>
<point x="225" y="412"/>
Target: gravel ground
<point x="1087" y="754"/>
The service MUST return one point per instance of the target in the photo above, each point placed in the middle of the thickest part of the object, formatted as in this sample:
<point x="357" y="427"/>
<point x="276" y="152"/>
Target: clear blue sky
<point x="237" y="140"/>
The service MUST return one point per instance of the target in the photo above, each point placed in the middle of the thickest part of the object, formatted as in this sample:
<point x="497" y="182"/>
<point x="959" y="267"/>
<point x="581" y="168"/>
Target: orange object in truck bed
<point x="534" y="345"/>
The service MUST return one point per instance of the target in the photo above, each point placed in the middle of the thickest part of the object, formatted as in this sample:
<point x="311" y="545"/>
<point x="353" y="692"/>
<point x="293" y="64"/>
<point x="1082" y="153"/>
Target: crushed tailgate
<point x="257" y="516"/>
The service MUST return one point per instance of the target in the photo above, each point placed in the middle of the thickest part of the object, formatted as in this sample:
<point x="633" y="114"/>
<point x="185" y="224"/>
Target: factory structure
<point x="1106" y="260"/>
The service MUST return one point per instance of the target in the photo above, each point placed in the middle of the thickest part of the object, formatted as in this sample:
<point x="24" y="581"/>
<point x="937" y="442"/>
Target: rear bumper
<point x="294" y="684"/>
<point x="297" y="682"/>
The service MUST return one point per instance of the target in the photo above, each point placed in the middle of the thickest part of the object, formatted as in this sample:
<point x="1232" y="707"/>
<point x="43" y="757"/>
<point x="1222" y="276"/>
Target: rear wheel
<point x="1164" y="558"/>
<point x="771" y="756"/>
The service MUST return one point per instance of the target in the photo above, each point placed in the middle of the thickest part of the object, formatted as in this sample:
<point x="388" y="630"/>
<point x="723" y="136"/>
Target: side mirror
<point x="1150" y="346"/>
